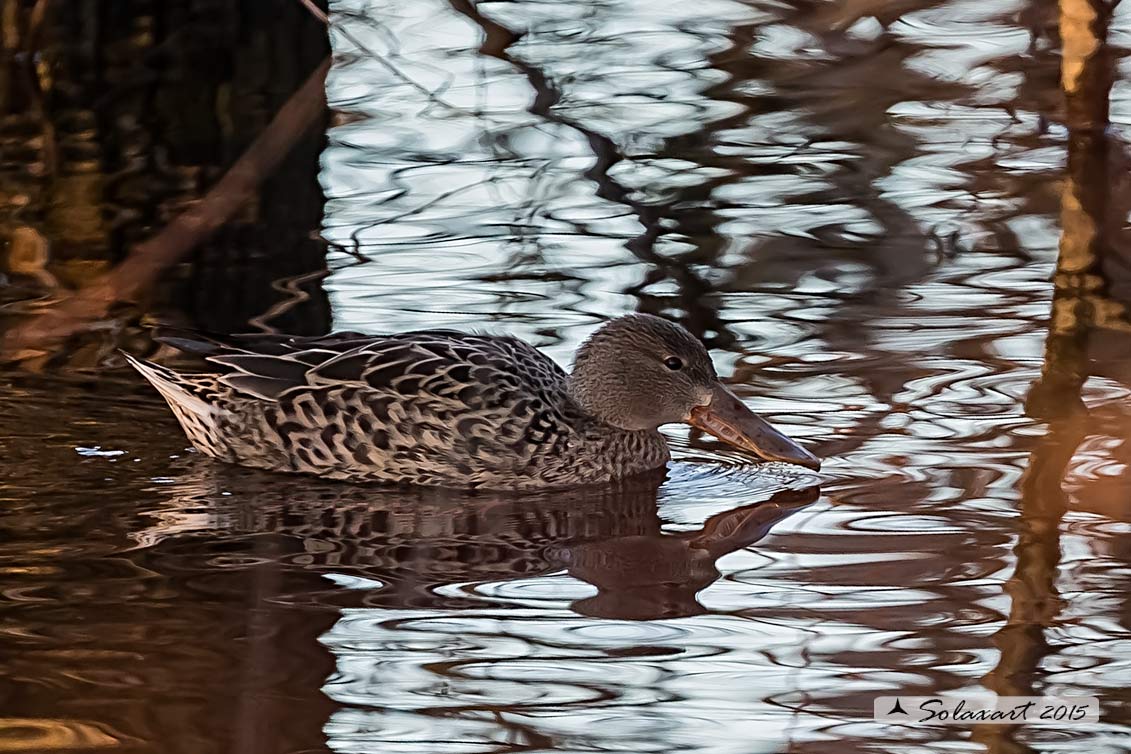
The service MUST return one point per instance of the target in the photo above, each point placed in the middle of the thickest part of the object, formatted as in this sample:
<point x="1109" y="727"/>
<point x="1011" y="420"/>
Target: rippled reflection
<point x="900" y="225"/>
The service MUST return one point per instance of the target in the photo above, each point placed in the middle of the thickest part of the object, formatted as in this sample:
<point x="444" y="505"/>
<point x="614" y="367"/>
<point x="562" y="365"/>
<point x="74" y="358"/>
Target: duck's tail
<point x="193" y="399"/>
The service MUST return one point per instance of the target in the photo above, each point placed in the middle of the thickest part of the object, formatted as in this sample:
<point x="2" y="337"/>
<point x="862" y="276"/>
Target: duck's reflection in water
<point x="652" y="575"/>
<point x="398" y="548"/>
<point x="342" y="600"/>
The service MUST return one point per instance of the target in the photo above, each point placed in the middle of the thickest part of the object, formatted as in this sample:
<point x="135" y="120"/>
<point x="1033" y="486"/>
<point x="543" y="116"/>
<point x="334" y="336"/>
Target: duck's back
<point x="435" y="407"/>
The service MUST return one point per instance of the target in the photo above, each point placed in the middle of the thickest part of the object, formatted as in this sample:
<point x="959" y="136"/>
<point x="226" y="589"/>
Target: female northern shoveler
<point x="441" y="407"/>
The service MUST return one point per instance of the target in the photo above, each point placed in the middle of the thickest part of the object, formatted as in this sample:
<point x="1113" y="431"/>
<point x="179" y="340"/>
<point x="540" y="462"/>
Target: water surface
<point x="858" y="206"/>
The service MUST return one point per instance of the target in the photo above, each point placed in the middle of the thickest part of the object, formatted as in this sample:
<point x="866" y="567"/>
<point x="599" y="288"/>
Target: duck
<point x="447" y="408"/>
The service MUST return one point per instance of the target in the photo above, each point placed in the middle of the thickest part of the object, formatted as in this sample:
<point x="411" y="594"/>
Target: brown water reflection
<point x="203" y="598"/>
<point x="860" y="205"/>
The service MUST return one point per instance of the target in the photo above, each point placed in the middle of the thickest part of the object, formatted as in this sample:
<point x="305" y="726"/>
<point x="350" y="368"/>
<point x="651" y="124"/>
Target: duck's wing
<point x="203" y="344"/>
<point x="443" y="363"/>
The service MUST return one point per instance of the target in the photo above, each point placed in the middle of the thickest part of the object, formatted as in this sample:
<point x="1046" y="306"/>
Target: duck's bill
<point x="727" y="418"/>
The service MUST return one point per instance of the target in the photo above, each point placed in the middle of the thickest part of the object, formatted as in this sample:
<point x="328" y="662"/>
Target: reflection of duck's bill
<point x="727" y="418"/>
<point x="734" y="529"/>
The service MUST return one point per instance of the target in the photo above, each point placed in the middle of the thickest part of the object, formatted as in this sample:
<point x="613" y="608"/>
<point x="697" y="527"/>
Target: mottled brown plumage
<point x="441" y="407"/>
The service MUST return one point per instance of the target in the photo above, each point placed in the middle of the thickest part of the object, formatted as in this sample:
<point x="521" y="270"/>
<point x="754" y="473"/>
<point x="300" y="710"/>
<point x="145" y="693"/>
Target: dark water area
<point x="897" y="225"/>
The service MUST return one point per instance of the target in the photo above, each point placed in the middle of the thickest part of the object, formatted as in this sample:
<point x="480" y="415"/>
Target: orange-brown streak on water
<point x="1079" y="306"/>
<point x="1035" y="602"/>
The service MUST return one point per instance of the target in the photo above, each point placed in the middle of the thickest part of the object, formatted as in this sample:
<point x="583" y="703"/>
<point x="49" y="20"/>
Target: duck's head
<point x="638" y="371"/>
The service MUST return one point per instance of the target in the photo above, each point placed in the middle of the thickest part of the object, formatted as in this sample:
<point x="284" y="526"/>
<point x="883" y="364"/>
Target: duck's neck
<point x="600" y="403"/>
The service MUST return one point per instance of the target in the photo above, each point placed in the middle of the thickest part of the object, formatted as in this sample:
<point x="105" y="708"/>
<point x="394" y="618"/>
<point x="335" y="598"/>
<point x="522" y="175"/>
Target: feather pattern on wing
<point x="434" y="407"/>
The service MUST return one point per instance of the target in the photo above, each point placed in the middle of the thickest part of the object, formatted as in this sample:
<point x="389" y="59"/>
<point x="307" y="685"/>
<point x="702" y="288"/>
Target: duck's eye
<point x="673" y="363"/>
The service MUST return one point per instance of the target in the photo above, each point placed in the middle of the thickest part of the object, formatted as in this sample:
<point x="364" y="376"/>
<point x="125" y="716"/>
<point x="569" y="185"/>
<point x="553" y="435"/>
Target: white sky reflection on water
<point x="870" y="215"/>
